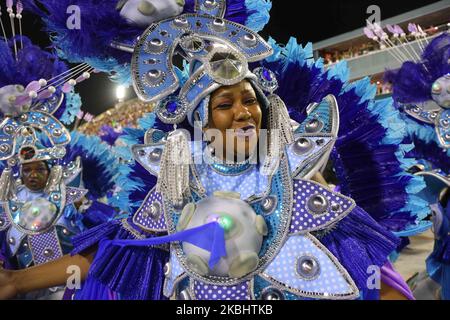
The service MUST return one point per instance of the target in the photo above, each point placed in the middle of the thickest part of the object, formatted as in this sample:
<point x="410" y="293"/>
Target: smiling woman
<point x="236" y="112"/>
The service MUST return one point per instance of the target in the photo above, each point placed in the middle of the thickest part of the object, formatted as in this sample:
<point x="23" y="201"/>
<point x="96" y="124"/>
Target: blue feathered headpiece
<point x="413" y="81"/>
<point x="105" y="22"/>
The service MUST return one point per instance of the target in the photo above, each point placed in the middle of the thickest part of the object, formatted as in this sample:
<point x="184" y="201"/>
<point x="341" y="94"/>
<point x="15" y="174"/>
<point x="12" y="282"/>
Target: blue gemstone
<point x="267" y="75"/>
<point x="172" y="106"/>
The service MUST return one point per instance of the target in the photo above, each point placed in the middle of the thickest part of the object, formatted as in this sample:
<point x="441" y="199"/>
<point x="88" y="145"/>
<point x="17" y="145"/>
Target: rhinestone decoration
<point x="9" y="129"/>
<point x="320" y="142"/>
<point x="248" y="40"/>
<point x="57" y="132"/>
<point x="308" y="267"/>
<point x="56" y="197"/>
<point x="150" y="215"/>
<point x="226" y="65"/>
<point x="154" y="78"/>
<point x="155" y="46"/>
<point x="210" y="4"/>
<point x="272" y="293"/>
<point x="12" y="241"/>
<point x="304" y="219"/>
<point x="44" y="120"/>
<point x="151" y="61"/>
<point x="59" y="152"/>
<point x="4" y="148"/>
<point x="24" y="117"/>
<point x="171" y="110"/>
<point x="2" y="222"/>
<point x="48" y="252"/>
<point x="314" y="125"/>
<point x="218" y="25"/>
<point x="266" y="79"/>
<point x="302" y="146"/>
<point x="269" y="204"/>
<point x="167" y="269"/>
<point x="335" y="207"/>
<point x="180" y="23"/>
<point x="317" y="204"/>
<point x="192" y="44"/>
<point x="155" y="210"/>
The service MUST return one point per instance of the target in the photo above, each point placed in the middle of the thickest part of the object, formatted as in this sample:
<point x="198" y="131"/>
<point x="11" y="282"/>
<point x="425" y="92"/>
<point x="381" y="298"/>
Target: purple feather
<point x="412" y="82"/>
<point x="412" y="28"/>
<point x="398" y="29"/>
<point x="369" y="33"/>
<point x="391" y="29"/>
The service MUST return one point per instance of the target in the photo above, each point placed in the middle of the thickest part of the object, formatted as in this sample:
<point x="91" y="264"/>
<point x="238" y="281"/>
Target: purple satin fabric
<point x="134" y="273"/>
<point x="210" y="237"/>
<point x="393" y="279"/>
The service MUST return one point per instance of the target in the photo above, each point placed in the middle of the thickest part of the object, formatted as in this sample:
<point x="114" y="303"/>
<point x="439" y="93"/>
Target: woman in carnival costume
<point x="45" y="198"/>
<point x="288" y="219"/>
<point x="421" y="91"/>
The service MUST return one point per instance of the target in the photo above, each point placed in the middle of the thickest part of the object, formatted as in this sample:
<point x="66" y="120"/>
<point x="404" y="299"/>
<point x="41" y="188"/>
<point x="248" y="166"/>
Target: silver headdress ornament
<point x="218" y="53"/>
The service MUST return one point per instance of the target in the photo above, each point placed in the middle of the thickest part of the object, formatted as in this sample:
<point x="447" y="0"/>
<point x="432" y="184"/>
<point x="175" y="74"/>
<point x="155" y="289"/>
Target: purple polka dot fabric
<point x="239" y="291"/>
<point x="303" y="220"/>
<point x="45" y="241"/>
<point x="74" y="194"/>
<point x="144" y="218"/>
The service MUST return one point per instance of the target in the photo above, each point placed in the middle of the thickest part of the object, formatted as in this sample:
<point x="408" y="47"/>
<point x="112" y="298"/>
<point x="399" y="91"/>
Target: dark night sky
<point x="310" y="21"/>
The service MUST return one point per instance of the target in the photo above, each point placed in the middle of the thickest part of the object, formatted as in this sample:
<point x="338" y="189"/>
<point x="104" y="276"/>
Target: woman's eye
<point x="250" y="101"/>
<point x="224" y="106"/>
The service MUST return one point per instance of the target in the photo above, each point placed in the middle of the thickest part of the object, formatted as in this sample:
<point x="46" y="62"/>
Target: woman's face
<point x="236" y="113"/>
<point x="35" y="175"/>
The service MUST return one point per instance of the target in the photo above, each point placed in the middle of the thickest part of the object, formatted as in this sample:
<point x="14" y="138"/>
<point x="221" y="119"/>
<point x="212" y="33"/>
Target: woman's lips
<point x="246" y="131"/>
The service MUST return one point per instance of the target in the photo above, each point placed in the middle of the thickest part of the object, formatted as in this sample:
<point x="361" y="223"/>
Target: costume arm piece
<point x="393" y="287"/>
<point x="314" y="139"/>
<point x="43" y="276"/>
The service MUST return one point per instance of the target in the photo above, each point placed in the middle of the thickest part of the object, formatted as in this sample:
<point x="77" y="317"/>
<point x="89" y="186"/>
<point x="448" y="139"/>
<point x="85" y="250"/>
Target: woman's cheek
<point x="223" y="120"/>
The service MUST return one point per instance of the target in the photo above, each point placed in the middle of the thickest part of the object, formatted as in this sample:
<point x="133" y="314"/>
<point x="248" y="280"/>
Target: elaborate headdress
<point x="108" y="25"/>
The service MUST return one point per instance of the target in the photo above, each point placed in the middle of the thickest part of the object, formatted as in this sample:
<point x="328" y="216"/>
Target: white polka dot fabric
<point x="212" y="292"/>
<point x="176" y="270"/>
<point x="143" y="217"/>
<point x="302" y="220"/>
<point x="330" y="280"/>
<point x="45" y="241"/>
<point x="248" y="184"/>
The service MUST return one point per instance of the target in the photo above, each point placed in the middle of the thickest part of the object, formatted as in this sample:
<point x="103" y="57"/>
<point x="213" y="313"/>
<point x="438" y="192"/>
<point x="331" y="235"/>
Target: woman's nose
<point x="33" y="174"/>
<point x="242" y="113"/>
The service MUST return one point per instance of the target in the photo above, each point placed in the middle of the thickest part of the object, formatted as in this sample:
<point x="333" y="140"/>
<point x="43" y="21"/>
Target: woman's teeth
<point x="246" y="131"/>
